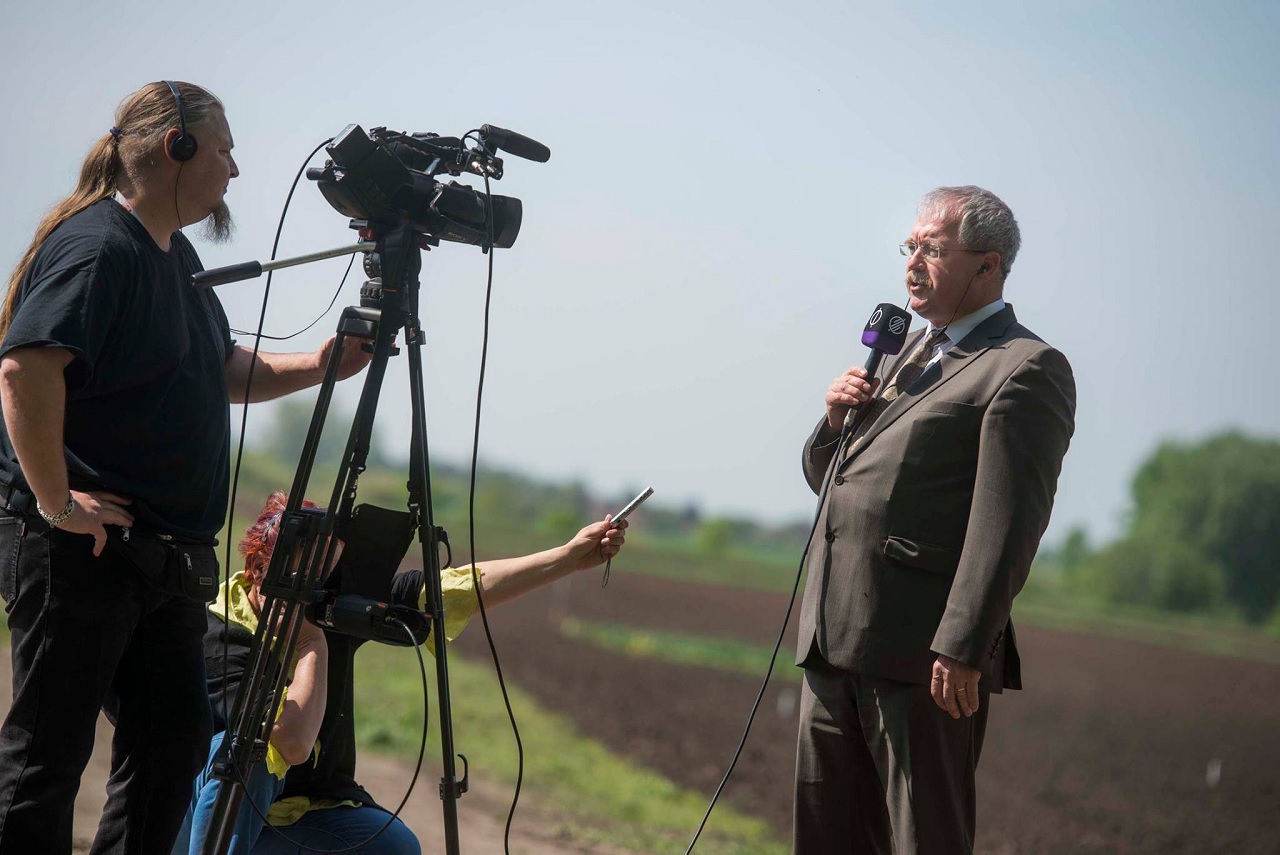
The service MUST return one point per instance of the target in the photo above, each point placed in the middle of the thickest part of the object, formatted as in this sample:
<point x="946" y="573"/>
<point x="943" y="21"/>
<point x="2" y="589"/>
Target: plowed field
<point x="1113" y="747"/>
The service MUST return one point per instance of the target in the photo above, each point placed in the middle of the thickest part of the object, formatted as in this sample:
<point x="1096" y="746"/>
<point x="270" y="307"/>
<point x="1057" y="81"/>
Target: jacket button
<point x="839" y="480"/>
<point x="831" y="536"/>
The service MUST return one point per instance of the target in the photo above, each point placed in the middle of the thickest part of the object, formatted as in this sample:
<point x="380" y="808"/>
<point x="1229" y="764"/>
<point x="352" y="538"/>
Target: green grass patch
<point x="574" y="785"/>
<point x="723" y="654"/>
<point x="1201" y="634"/>
<point x="732" y="570"/>
<point x="1204" y="635"/>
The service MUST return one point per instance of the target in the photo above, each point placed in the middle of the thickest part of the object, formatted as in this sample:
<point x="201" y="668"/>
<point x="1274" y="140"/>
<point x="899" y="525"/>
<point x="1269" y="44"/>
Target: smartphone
<point x="632" y="505"/>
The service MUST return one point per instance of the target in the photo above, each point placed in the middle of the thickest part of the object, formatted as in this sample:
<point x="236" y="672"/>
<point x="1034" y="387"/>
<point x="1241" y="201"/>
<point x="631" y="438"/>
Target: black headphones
<point x="182" y="147"/>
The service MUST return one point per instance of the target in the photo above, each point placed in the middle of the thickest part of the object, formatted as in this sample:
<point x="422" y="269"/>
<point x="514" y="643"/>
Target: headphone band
<point x="183" y="147"/>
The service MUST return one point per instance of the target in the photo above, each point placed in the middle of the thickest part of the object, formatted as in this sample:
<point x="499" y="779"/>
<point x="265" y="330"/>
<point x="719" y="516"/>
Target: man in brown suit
<point x="936" y="499"/>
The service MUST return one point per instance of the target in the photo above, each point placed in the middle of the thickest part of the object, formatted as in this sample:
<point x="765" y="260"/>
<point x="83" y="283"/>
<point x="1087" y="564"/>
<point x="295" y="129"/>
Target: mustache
<point x="916" y="279"/>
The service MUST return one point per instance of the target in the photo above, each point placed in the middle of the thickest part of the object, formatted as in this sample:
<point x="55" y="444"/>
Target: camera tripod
<point x="305" y="544"/>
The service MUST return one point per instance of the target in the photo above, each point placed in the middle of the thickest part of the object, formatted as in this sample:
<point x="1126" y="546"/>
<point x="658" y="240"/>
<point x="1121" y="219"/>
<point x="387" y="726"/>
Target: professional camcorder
<point x="389" y="177"/>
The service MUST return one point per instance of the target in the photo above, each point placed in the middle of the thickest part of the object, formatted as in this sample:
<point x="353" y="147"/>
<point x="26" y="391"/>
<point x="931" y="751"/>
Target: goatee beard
<point x="218" y="226"/>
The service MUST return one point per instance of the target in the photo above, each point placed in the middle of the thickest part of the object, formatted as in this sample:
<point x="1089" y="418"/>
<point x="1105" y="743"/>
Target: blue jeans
<point x="261" y="789"/>
<point x="326" y="830"/>
<point x="334" y="829"/>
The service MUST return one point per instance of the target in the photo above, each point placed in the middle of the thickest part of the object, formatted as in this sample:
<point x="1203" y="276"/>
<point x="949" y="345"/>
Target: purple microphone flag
<point x="887" y="328"/>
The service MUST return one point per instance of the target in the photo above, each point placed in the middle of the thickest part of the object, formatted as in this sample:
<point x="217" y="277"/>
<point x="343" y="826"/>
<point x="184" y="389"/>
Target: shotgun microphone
<point x="514" y="143"/>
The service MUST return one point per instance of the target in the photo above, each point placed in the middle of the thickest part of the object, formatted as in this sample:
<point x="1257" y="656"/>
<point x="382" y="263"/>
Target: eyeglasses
<point x="931" y="251"/>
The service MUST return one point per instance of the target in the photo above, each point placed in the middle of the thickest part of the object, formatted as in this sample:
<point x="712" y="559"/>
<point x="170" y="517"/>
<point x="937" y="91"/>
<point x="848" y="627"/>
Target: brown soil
<point x="1113" y="747"/>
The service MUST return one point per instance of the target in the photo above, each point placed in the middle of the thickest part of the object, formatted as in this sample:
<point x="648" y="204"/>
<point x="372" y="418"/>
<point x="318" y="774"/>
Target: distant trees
<point x="1204" y="535"/>
<point x="292" y="420"/>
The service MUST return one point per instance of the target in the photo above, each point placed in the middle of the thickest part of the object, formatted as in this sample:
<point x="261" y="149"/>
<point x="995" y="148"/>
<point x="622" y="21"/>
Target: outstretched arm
<point x="505" y="579"/>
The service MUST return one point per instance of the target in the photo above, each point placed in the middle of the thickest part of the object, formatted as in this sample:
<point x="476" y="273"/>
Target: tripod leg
<point x="420" y="493"/>
<point x="296" y="566"/>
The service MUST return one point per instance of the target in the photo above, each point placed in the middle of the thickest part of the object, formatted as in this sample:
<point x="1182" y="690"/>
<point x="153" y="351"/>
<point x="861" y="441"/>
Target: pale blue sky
<point x="727" y="186"/>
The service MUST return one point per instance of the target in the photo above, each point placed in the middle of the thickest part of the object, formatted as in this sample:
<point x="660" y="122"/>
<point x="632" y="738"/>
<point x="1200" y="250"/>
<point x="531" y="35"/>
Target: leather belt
<point x="17" y="500"/>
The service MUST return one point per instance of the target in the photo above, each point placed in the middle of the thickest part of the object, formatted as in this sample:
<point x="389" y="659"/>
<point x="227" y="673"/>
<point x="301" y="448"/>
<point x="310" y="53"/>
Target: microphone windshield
<point x="887" y="328"/>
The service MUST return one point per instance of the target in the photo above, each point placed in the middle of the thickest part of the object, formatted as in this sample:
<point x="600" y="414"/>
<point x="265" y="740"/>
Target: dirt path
<point x="481" y="812"/>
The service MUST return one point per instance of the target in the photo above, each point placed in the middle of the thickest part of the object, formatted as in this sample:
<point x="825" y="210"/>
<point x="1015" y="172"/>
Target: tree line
<point x="1203" y="535"/>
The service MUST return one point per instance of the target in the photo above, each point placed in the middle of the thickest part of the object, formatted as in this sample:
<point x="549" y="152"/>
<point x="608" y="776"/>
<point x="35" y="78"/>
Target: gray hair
<point x="986" y="222"/>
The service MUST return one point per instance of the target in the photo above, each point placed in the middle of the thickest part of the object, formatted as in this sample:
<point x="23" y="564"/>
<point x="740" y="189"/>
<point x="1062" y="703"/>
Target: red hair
<point x="259" y="539"/>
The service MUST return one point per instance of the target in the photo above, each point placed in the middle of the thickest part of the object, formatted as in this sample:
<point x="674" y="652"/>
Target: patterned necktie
<point x="911" y="370"/>
<point x="907" y="373"/>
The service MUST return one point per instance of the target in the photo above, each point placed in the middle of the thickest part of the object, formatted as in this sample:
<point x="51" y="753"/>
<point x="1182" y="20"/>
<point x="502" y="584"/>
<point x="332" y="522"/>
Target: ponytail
<point x="97" y="181"/>
<point x="141" y="122"/>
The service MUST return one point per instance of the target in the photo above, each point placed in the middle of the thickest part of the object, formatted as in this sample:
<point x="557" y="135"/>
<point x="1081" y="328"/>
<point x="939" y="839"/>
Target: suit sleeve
<point x="818" y="452"/>
<point x="1024" y="437"/>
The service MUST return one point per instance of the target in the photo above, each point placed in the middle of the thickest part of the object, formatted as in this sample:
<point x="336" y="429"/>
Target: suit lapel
<point x="965" y="352"/>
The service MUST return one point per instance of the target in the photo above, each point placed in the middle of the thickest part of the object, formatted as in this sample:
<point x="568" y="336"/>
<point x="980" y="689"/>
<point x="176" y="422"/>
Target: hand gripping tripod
<point x="305" y="543"/>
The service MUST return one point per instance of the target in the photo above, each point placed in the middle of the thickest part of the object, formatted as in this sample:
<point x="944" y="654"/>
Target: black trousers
<point x="881" y="770"/>
<point x="89" y="634"/>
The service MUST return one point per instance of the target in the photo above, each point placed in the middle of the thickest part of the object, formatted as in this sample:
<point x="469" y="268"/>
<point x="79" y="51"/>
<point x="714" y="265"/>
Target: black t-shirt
<point x="147" y="415"/>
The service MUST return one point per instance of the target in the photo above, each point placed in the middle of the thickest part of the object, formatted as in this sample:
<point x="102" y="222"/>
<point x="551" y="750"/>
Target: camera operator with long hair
<point x="115" y="379"/>
<point x="306" y="785"/>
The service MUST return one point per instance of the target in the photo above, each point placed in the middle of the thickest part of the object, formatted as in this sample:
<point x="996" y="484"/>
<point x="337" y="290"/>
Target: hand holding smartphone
<point x="619" y="517"/>
<point x="632" y="505"/>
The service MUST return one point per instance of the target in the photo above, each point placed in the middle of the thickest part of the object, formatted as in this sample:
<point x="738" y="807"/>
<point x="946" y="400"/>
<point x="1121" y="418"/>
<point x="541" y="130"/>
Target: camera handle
<point x="297" y="569"/>
<point x="254" y="269"/>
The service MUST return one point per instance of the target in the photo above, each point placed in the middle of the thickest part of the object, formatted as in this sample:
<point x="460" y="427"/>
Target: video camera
<point x="389" y="177"/>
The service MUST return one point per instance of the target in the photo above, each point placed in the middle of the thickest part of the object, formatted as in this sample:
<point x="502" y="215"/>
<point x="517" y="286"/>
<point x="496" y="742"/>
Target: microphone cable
<point x="471" y="522"/>
<point x="755" y="707"/>
<point x="845" y="433"/>
<point x="258" y="335"/>
<point x="422" y="750"/>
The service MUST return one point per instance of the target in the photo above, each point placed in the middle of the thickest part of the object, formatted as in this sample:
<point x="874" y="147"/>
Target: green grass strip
<point x="583" y="793"/>
<point x="1200" y="634"/>
<point x="723" y="654"/>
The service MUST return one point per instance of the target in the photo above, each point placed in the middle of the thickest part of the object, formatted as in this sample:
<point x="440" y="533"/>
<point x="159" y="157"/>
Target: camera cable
<point x="258" y="335"/>
<point x="471" y="522"/>
<point x="795" y="588"/>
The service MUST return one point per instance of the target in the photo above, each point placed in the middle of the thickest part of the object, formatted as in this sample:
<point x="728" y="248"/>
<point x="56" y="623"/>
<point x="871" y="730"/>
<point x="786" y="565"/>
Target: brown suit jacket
<point x="933" y="516"/>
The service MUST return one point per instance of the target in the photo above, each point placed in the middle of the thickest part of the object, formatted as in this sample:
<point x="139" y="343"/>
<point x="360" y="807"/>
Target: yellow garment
<point x="457" y="587"/>
<point x="459" y="594"/>
<point x="240" y="612"/>
<point x="290" y="810"/>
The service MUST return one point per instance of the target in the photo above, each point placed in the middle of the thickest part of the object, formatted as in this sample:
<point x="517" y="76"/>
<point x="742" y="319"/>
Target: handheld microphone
<point x="514" y="143"/>
<point x="885" y="332"/>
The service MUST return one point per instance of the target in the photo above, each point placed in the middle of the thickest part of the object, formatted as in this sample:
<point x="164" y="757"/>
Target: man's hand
<point x="850" y="389"/>
<point x="597" y="543"/>
<point x="354" y="357"/>
<point x="95" y="511"/>
<point x="955" y="686"/>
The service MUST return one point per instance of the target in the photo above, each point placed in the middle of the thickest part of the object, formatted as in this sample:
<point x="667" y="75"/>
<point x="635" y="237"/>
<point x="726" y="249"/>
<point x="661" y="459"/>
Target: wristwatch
<point x="55" y="520"/>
